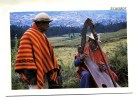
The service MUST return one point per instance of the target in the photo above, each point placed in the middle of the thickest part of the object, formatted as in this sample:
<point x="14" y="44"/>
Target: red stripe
<point x="35" y="44"/>
<point x="47" y="62"/>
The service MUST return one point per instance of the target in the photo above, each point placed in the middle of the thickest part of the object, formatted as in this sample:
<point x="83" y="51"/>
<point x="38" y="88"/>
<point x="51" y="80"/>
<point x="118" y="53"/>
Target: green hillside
<point x="66" y="41"/>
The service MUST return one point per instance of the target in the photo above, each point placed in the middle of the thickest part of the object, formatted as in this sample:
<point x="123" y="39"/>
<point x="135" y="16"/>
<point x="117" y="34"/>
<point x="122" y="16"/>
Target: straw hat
<point x="92" y="37"/>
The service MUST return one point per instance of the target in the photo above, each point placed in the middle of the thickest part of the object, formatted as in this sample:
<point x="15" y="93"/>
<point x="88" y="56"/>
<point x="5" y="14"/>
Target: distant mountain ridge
<point x="71" y="18"/>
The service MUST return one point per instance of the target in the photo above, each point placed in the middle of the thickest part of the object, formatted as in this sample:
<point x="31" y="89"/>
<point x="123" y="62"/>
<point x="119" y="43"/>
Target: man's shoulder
<point x="29" y="31"/>
<point x="86" y="48"/>
<point x="77" y="55"/>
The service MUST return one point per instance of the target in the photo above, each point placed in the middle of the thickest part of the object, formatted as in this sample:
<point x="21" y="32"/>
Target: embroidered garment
<point x="80" y="64"/>
<point x="35" y="52"/>
<point x="96" y="57"/>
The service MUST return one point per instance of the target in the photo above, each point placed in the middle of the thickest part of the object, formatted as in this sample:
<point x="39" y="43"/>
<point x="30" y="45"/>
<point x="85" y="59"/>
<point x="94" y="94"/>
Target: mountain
<point x="71" y="18"/>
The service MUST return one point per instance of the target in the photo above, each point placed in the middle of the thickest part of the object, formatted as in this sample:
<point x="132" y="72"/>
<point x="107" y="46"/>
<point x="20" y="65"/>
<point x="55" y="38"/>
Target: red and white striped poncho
<point x="36" y="52"/>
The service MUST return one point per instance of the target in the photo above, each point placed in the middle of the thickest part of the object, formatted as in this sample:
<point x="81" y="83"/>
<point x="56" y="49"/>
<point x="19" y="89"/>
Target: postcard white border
<point x="53" y="5"/>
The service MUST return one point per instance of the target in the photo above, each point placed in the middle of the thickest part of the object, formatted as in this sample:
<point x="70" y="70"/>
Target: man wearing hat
<point x="93" y="51"/>
<point x="35" y="58"/>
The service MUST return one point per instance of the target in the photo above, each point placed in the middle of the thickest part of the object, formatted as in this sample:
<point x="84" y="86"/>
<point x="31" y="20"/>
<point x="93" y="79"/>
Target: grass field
<point x="66" y="54"/>
<point x="65" y="50"/>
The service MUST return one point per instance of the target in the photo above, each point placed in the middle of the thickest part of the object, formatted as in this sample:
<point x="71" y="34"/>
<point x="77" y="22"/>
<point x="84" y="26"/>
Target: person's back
<point x="35" y="56"/>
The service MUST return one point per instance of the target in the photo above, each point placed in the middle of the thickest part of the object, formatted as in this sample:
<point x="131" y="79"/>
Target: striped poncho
<point x="35" y="52"/>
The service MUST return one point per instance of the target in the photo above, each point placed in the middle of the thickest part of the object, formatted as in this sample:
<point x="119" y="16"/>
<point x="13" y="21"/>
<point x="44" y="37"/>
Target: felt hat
<point x="41" y="17"/>
<point x="92" y="37"/>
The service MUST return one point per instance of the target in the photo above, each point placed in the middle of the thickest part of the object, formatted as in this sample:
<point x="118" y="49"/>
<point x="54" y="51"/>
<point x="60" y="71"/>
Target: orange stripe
<point x="37" y="55"/>
<point x="42" y="43"/>
<point x="25" y="47"/>
<point x="27" y="58"/>
<point x="25" y="64"/>
<point x="27" y="51"/>
<point x="35" y="42"/>
<point x="39" y="61"/>
<point x="44" y="53"/>
<point x="54" y="76"/>
<point x="40" y="77"/>
<point x="25" y="67"/>
<point x="25" y="42"/>
<point x="24" y="55"/>
<point x="23" y="77"/>
<point x="39" y="86"/>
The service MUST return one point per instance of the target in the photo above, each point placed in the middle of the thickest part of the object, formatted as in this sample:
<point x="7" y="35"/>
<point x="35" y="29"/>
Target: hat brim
<point x="42" y="20"/>
<point x="89" y="36"/>
<point x="92" y="37"/>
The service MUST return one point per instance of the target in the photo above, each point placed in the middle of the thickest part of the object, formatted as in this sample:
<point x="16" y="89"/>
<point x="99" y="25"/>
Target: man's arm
<point x="25" y="64"/>
<point x="77" y="61"/>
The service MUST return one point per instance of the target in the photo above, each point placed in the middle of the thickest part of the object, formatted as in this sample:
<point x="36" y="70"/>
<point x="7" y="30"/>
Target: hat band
<point x="42" y="19"/>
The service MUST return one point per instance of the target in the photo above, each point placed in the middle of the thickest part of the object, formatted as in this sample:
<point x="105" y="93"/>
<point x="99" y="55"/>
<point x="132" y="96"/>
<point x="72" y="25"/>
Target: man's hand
<point x="101" y="63"/>
<point x="102" y="66"/>
<point x="83" y="56"/>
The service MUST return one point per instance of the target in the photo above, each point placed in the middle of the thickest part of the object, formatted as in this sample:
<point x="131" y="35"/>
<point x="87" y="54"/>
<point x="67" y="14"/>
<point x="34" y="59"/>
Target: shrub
<point x="70" y="79"/>
<point x="16" y="80"/>
<point x="119" y="64"/>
